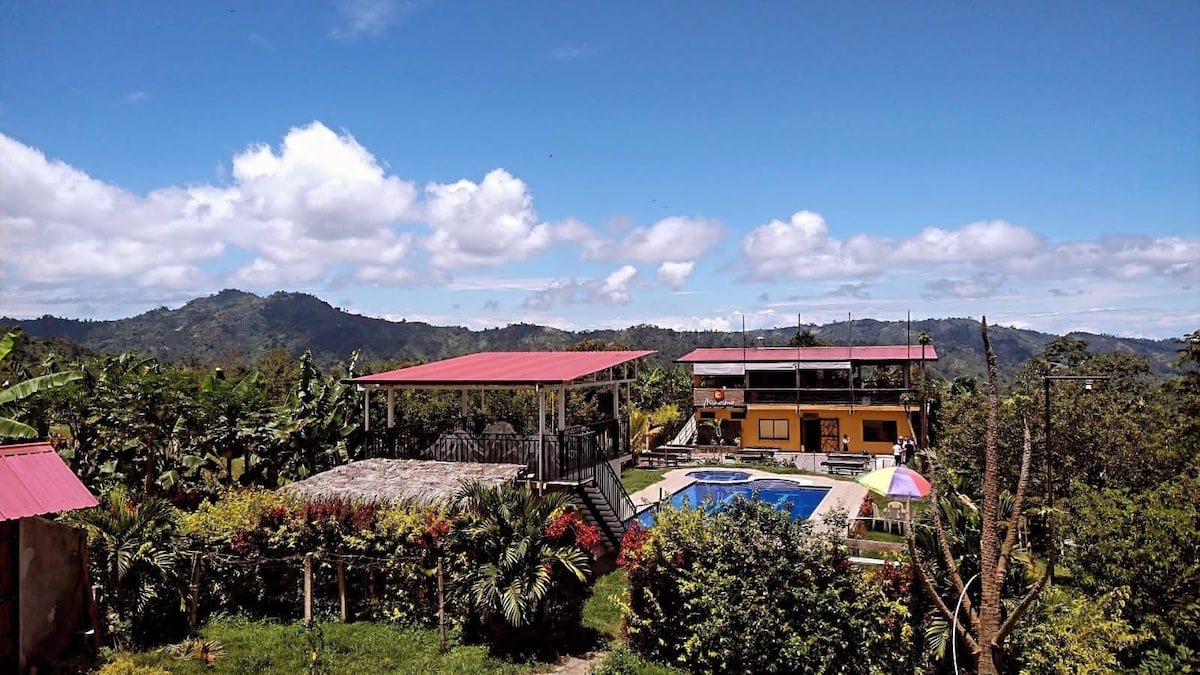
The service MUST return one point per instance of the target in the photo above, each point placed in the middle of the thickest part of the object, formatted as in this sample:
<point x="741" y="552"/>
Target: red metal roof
<point x="500" y="368"/>
<point x="35" y="481"/>
<point x="857" y="353"/>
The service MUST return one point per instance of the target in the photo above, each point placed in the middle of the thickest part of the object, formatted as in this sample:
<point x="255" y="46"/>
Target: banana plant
<point x="12" y="394"/>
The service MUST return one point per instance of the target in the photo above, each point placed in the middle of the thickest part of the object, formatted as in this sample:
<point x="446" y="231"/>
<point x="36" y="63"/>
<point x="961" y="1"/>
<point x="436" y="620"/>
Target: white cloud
<point x="320" y="202"/>
<point x="489" y="223"/>
<point x="982" y="285"/>
<point x="675" y="275"/>
<point x="367" y="18"/>
<point x="672" y="239"/>
<point x="802" y="248"/>
<point x="611" y="290"/>
<point x="137" y="97"/>
<point x="572" y="53"/>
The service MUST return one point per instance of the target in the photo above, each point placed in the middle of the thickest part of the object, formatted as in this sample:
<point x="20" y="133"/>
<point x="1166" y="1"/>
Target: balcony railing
<point x="730" y="397"/>
<point x="568" y="455"/>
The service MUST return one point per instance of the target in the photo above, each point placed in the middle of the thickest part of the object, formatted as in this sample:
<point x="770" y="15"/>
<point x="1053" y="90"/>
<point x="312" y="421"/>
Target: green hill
<point x="238" y="327"/>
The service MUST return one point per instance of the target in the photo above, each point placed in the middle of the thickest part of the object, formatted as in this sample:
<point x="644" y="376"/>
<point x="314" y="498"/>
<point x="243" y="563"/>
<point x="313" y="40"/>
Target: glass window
<point x="776" y="430"/>
<point x="880" y="431"/>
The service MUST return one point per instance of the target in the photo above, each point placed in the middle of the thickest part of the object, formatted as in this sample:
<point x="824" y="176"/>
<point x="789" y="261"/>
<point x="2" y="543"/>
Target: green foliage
<point x="1146" y="542"/>
<point x="11" y="395"/>
<point x="805" y="338"/>
<point x="525" y="575"/>
<point x="744" y="589"/>
<point x="393" y="553"/>
<point x="1066" y="633"/>
<point x="124" y="666"/>
<point x="134" y="552"/>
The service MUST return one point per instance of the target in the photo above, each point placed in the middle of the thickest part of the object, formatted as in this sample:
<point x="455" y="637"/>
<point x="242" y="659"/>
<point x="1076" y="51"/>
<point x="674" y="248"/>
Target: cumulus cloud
<point x="802" y="248"/>
<point x="675" y="275"/>
<point x="318" y="202"/>
<point x="610" y="290"/>
<point x="672" y="239"/>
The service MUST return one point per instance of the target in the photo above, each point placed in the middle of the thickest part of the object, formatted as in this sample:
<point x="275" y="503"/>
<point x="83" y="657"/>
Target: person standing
<point x="910" y="449"/>
<point x="846" y="443"/>
<point x="897" y="453"/>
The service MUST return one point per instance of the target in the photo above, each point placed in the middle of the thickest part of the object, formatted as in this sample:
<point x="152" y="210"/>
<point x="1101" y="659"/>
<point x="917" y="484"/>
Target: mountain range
<point x="235" y="327"/>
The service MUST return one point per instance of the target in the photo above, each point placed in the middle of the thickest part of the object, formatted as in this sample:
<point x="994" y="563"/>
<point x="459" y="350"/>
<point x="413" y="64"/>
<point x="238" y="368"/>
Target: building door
<point x="9" y="590"/>
<point x="830" y="435"/>
<point x="810" y="433"/>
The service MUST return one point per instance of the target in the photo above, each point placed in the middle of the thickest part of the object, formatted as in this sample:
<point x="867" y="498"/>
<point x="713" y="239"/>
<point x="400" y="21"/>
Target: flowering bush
<point x="388" y="554"/>
<point x="744" y="589"/>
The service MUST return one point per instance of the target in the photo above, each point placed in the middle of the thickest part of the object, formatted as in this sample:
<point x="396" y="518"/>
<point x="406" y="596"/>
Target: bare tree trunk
<point x="990" y="583"/>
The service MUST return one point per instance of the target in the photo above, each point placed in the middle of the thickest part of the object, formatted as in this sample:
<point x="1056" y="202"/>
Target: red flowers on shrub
<point x="586" y="536"/>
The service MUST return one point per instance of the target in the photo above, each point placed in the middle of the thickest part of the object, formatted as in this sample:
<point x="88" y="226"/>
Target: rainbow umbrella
<point x="895" y="481"/>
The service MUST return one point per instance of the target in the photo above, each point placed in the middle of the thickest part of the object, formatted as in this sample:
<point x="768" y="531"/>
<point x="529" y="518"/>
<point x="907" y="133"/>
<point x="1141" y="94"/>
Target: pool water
<point x="803" y="499"/>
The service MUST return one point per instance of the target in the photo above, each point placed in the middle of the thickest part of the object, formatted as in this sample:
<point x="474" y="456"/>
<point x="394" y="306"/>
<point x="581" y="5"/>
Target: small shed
<point x="44" y="594"/>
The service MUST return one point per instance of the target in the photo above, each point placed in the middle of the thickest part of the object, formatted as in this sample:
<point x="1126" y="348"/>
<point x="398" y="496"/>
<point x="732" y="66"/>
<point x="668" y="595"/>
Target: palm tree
<point x="514" y="566"/>
<point x="11" y="394"/>
<point x="133" y="554"/>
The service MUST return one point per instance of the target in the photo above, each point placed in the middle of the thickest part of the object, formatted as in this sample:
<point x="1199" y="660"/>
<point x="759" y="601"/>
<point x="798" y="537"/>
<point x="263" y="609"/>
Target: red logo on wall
<point x="719" y="395"/>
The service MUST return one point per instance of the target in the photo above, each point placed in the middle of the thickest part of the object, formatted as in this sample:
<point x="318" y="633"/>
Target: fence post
<point x="308" y="557"/>
<point x="441" y="604"/>
<point x="194" y="591"/>
<point x="341" y="572"/>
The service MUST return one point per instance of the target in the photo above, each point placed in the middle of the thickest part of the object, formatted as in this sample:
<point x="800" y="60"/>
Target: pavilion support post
<point x="541" y="472"/>
<point x="616" y="400"/>
<point x="391" y="422"/>
<point x="465" y="405"/>
<point x="562" y="407"/>
<point x="366" y="409"/>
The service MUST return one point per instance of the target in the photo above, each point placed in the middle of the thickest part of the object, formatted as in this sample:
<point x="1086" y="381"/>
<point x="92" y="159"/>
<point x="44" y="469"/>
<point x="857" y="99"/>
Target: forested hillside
<point x="234" y="327"/>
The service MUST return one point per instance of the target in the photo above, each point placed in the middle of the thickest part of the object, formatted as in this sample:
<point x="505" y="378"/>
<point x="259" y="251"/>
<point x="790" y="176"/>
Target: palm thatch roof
<point x="400" y="481"/>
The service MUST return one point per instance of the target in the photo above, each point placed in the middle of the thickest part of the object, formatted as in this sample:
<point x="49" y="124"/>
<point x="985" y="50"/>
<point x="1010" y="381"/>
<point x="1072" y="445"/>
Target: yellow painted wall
<point x="849" y="422"/>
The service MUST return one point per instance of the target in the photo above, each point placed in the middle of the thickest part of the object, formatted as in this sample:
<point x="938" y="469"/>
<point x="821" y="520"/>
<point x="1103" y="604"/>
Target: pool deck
<point x="844" y="495"/>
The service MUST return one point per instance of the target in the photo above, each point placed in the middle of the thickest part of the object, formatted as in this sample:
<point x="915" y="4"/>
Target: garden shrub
<point x="747" y="589"/>
<point x="259" y="539"/>
<point x="527" y="570"/>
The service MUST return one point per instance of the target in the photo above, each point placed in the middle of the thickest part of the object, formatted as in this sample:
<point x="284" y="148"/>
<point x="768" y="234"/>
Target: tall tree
<point x="986" y="627"/>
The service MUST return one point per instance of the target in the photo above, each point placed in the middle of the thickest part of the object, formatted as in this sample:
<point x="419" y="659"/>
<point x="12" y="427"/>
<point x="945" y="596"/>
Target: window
<point x="879" y="431"/>
<point x="737" y="416"/>
<point x="708" y="415"/>
<point x="775" y="430"/>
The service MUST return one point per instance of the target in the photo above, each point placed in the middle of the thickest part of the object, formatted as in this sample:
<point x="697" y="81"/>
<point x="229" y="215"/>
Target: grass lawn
<point x="601" y="613"/>
<point x="267" y="647"/>
<point x="636" y="479"/>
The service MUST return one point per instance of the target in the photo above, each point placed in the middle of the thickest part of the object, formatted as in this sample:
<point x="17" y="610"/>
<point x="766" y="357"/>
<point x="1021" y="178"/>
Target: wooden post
<point x="441" y="604"/>
<point x="194" y="591"/>
<point x="341" y="572"/>
<point x="308" y="557"/>
<point x="93" y="612"/>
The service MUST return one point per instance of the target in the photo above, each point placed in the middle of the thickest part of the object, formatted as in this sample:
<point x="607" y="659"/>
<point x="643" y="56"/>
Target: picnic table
<point x="844" y="464"/>
<point x="755" y="454"/>
<point x="667" y="455"/>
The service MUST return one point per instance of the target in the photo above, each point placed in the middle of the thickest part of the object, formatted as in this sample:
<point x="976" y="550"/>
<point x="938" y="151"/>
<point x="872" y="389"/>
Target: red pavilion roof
<point x="506" y="368"/>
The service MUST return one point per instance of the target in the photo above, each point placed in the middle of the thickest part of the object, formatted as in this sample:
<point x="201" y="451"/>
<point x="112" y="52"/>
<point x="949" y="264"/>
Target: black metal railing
<point x="609" y="484"/>
<point x="568" y="455"/>
<point x="826" y="396"/>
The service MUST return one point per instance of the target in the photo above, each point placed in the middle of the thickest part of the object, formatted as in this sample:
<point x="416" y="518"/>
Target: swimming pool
<point x="723" y="488"/>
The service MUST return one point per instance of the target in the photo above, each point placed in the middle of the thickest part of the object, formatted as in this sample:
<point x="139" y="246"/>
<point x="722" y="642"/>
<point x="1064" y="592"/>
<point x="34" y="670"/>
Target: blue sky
<point x="608" y="164"/>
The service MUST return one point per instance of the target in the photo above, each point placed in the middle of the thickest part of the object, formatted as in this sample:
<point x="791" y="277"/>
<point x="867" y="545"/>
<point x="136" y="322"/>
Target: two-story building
<point x="808" y="399"/>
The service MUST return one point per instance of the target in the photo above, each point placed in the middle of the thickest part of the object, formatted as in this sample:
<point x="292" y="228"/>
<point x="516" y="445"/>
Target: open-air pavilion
<point x="555" y="456"/>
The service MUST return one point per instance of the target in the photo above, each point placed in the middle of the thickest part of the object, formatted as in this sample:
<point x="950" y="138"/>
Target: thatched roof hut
<point x="401" y="481"/>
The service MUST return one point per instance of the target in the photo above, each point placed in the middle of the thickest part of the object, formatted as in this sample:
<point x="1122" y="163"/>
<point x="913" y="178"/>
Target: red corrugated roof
<point x="35" y="481"/>
<point x="863" y="353"/>
<point x="498" y="368"/>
